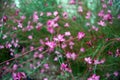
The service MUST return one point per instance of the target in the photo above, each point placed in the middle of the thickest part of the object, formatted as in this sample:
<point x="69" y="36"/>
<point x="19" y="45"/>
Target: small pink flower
<point x="41" y="48"/>
<point x="88" y="15"/>
<point x="51" y="44"/>
<point x="41" y="56"/>
<point x="20" y="25"/>
<point x="94" y="77"/>
<point x="39" y="26"/>
<point x="23" y="17"/>
<point x="67" y="33"/>
<point x="49" y="13"/>
<point x="80" y="35"/>
<point x="64" y="67"/>
<point x="19" y="76"/>
<point x="35" y="17"/>
<point x="72" y="2"/>
<point x="5" y="18"/>
<point x="82" y="49"/>
<point x="46" y="66"/>
<point x="110" y="2"/>
<point x="41" y="13"/>
<point x="108" y="17"/>
<point x="55" y="25"/>
<point x="80" y="9"/>
<point x="73" y="56"/>
<point x="117" y="52"/>
<point x="59" y="38"/>
<point x="56" y="19"/>
<point x="66" y="25"/>
<point x="65" y="15"/>
<point x="15" y="66"/>
<point x="56" y="59"/>
<point x="88" y="60"/>
<point x="1" y="46"/>
<point x="104" y="5"/>
<point x="35" y="55"/>
<point x="45" y="79"/>
<point x="116" y="73"/>
<point x="55" y="13"/>
<point x="4" y="37"/>
<point x="50" y="30"/>
<point x="101" y="23"/>
<point x="64" y="45"/>
<point x="68" y="55"/>
<point x="87" y="24"/>
<point x="118" y="16"/>
<point x="30" y="37"/>
<point x="71" y="43"/>
<point x="50" y="23"/>
<point x="101" y="13"/>
<point x="95" y="28"/>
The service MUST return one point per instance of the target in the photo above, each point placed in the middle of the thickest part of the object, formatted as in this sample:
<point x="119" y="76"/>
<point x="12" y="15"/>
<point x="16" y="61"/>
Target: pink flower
<point x="15" y="66"/>
<point x="50" y="26"/>
<point x="55" y="13"/>
<point x="88" y="15"/>
<point x="119" y="16"/>
<point x="56" y="19"/>
<point x="66" y="25"/>
<point x="4" y="37"/>
<point x="46" y="66"/>
<point x="50" y="30"/>
<point x="82" y="49"/>
<point x="94" y="77"/>
<point x="41" y="13"/>
<point x="35" y="17"/>
<point x="72" y="2"/>
<point x="65" y="15"/>
<point x="95" y="28"/>
<point x="5" y="18"/>
<point x="101" y="23"/>
<point x="108" y="17"/>
<point x="49" y="13"/>
<point x="67" y="33"/>
<point x="71" y="55"/>
<point x="64" y="67"/>
<point x="110" y="2"/>
<point x="64" y="45"/>
<point x="59" y="38"/>
<point x="30" y="37"/>
<point x="19" y="76"/>
<point x="104" y="5"/>
<point x="51" y="44"/>
<point x="81" y="35"/>
<point x="45" y="79"/>
<point x="117" y="52"/>
<point x="1" y="46"/>
<point x="55" y="25"/>
<point x="41" y="56"/>
<point x="88" y="60"/>
<point x="50" y="23"/>
<point x="101" y="13"/>
<point x="68" y="55"/>
<point x="39" y="26"/>
<point x="35" y="55"/>
<point x="116" y="73"/>
<point x="23" y="17"/>
<point x="80" y="9"/>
